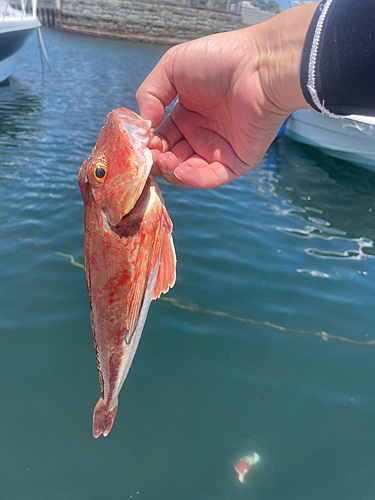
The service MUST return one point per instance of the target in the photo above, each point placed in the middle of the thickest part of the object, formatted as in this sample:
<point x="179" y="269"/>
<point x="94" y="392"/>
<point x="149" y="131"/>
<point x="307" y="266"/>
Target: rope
<point x="196" y="309"/>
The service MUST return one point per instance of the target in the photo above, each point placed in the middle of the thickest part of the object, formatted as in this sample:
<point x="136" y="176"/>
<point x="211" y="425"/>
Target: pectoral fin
<point x="167" y="267"/>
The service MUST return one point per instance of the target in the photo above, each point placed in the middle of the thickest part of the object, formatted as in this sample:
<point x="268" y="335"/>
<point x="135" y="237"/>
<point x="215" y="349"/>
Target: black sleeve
<point x="338" y="62"/>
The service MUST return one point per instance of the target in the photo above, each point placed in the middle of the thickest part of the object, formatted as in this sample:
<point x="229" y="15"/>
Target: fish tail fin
<point x="103" y="418"/>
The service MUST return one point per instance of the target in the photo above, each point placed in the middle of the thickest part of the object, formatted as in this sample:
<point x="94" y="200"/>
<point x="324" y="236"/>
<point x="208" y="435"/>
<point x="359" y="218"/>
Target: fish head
<point x="115" y="173"/>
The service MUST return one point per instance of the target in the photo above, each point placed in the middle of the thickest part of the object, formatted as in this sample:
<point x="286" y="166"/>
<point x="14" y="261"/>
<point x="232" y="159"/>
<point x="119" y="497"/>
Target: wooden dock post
<point x="57" y="23"/>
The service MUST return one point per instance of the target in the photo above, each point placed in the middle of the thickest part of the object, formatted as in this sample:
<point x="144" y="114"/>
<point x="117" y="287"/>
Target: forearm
<point x="235" y="89"/>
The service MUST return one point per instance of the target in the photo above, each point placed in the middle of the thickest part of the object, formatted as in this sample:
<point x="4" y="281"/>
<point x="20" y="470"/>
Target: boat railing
<point x="23" y="8"/>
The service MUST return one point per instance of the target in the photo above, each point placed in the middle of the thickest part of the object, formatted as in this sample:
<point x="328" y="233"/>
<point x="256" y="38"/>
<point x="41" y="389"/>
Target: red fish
<point x="243" y="465"/>
<point x="129" y="253"/>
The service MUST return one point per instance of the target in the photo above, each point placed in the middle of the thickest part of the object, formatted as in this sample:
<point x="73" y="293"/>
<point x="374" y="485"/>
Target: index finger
<point x="158" y="90"/>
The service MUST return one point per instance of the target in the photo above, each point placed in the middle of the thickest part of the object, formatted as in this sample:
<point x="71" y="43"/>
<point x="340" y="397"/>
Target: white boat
<point x="16" y="25"/>
<point x="351" y="138"/>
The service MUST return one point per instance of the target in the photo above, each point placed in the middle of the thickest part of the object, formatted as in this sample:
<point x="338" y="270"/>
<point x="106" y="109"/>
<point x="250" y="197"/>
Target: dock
<point x="149" y="21"/>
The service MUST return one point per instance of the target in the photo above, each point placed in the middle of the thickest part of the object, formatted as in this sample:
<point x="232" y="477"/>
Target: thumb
<point x="157" y="91"/>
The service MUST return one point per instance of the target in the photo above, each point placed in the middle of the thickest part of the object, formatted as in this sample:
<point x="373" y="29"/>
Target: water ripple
<point x="268" y="332"/>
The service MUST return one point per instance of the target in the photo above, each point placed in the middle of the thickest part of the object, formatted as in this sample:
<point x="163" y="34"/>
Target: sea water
<point x="263" y="346"/>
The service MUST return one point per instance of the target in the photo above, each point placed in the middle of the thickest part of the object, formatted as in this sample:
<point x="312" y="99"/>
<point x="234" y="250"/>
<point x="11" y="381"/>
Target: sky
<point x="284" y="4"/>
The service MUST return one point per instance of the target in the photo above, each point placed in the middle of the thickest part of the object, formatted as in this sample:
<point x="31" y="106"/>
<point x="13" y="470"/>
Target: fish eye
<point x="100" y="171"/>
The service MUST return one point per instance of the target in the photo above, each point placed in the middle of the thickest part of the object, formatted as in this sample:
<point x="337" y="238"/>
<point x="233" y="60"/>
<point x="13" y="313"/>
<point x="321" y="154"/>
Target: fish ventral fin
<point x="167" y="267"/>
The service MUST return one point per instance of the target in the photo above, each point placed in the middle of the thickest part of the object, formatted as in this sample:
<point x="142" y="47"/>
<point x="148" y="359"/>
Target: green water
<point x="290" y="244"/>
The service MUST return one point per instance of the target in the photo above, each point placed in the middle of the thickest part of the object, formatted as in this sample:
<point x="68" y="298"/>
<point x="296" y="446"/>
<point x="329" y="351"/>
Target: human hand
<point x="234" y="91"/>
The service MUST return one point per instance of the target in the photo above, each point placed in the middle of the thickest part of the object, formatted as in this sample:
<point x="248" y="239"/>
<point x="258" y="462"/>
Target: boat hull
<point x="7" y="67"/>
<point x="13" y="35"/>
<point x="351" y="138"/>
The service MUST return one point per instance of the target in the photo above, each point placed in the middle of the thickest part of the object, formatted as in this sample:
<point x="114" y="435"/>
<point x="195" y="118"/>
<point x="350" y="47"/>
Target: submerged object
<point x="243" y="465"/>
<point x="129" y="252"/>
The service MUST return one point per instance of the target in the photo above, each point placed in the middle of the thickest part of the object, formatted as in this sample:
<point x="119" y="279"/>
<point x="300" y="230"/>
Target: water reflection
<point x="334" y="199"/>
<point x="17" y="103"/>
<point x="341" y="193"/>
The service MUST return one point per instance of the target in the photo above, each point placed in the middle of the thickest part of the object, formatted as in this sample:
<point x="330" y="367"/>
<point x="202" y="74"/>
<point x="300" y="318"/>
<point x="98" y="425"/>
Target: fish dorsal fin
<point x="167" y="266"/>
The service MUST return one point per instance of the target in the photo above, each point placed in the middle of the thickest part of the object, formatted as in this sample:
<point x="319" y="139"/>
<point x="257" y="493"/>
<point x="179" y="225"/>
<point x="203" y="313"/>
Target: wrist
<point x="280" y="53"/>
